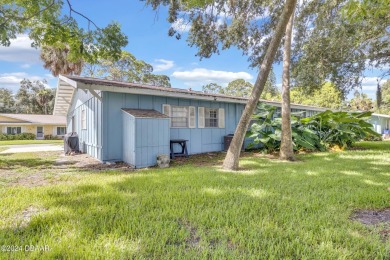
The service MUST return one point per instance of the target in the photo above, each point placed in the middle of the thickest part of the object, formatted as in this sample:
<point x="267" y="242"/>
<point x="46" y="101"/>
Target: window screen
<point x="83" y="119"/>
<point x="61" y="130"/>
<point x="179" y="116"/>
<point x="14" y="130"/>
<point x="211" y="117"/>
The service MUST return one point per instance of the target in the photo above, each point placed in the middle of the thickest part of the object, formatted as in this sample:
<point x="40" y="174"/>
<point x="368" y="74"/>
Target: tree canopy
<point x="128" y="69"/>
<point x="242" y="88"/>
<point x="47" y="24"/>
<point x="337" y="40"/>
<point x="328" y="96"/>
<point x="7" y="101"/>
<point x="385" y="100"/>
<point x="34" y="97"/>
<point x="361" y="102"/>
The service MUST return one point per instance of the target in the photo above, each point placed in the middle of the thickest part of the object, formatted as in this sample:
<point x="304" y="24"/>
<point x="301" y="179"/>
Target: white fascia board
<point x="32" y="123"/>
<point x="381" y="115"/>
<point x="158" y="92"/>
<point x="67" y="80"/>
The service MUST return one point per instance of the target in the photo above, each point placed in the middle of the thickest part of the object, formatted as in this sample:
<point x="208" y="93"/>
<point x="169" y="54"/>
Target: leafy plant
<point x="22" y="136"/>
<point x="318" y="132"/>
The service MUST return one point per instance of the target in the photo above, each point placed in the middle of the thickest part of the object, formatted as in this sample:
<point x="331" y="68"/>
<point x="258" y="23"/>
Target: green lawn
<point x="15" y="142"/>
<point x="270" y="209"/>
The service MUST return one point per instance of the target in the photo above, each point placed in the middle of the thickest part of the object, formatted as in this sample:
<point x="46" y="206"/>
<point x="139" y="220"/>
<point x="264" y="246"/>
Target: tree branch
<point x="27" y="18"/>
<point x="71" y="10"/>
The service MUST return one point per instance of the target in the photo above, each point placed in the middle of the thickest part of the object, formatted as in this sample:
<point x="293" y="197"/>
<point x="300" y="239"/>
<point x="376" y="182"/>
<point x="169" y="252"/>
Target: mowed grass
<point x="270" y="209"/>
<point x="16" y="142"/>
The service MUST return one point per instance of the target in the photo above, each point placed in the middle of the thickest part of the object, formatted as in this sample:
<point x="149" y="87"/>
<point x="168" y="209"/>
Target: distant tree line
<point x="33" y="97"/>
<point x="327" y="96"/>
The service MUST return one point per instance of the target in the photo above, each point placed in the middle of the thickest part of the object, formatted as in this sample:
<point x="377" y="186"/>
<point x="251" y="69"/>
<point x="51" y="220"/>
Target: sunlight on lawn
<point x="269" y="209"/>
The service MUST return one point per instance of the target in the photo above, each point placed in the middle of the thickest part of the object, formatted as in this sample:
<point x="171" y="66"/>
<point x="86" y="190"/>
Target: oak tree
<point x="57" y="24"/>
<point x="219" y="24"/>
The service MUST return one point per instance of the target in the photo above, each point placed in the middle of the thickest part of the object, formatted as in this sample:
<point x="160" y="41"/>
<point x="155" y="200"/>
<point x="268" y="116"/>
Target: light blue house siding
<point x="380" y="123"/>
<point x="99" y="121"/>
<point x="144" y="139"/>
<point x="90" y="136"/>
<point x="200" y="140"/>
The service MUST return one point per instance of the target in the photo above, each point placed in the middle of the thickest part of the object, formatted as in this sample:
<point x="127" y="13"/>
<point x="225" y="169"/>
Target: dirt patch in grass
<point x="86" y="162"/>
<point x="357" y="148"/>
<point x="214" y="158"/>
<point x="193" y="240"/>
<point x="24" y="217"/>
<point x="372" y="217"/>
<point x="376" y="218"/>
<point x="47" y="168"/>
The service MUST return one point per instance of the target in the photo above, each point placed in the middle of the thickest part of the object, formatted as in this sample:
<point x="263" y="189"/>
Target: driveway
<point x="28" y="148"/>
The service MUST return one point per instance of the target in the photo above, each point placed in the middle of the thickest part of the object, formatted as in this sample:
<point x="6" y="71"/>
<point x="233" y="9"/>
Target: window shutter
<point x="200" y="117"/>
<point x="221" y="118"/>
<point x="191" y="118"/>
<point x="166" y="110"/>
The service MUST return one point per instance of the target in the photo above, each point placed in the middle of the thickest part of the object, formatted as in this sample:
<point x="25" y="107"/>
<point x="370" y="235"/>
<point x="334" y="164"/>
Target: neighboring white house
<point x="40" y="125"/>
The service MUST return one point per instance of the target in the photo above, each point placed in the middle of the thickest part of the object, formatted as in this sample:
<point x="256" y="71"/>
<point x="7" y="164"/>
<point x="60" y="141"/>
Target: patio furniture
<point x="183" y="144"/>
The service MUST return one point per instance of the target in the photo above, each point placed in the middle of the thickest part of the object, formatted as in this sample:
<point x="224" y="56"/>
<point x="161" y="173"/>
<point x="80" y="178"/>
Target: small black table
<point x="183" y="144"/>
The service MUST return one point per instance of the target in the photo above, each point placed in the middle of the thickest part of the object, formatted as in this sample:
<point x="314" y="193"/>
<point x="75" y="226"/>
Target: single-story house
<point x="40" y="125"/>
<point x="118" y="121"/>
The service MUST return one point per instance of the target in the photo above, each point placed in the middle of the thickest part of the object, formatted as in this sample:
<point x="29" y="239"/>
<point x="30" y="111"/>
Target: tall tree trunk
<point x="233" y="154"/>
<point x="286" y="146"/>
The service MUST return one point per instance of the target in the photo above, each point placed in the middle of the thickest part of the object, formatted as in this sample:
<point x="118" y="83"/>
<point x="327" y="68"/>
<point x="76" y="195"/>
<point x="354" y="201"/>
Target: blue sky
<point x="149" y="41"/>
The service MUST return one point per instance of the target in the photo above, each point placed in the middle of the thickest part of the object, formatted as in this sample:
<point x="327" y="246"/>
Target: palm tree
<point x="56" y="60"/>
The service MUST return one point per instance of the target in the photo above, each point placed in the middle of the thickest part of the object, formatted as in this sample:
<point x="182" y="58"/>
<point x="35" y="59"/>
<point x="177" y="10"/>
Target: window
<point x="211" y="117"/>
<point x="61" y="130"/>
<point x="14" y="130"/>
<point x="179" y="116"/>
<point x="83" y="119"/>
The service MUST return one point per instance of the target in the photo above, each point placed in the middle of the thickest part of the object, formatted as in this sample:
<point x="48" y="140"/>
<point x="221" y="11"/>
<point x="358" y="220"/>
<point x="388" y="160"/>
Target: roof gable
<point x="34" y="119"/>
<point x="4" y="118"/>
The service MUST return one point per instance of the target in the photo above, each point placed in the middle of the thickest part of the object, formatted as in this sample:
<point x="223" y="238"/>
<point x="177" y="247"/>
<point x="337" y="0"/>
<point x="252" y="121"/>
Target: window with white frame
<point x="83" y="119"/>
<point x="13" y="130"/>
<point x="181" y="116"/>
<point x="211" y="117"/>
<point x="61" y="130"/>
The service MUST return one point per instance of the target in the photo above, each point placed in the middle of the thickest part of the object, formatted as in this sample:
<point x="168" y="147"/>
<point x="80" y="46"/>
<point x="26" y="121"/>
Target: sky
<point x="147" y="33"/>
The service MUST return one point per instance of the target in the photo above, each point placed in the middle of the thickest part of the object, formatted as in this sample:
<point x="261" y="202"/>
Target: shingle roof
<point x="144" y="113"/>
<point x="37" y="119"/>
<point x="105" y="82"/>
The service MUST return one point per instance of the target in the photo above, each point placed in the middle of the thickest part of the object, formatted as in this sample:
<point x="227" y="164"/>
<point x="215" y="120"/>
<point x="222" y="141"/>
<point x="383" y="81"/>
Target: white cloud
<point x="370" y="83"/>
<point x="201" y="76"/>
<point x="20" y="50"/>
<point x="12" y="80"/>
<point x="25" y="66"/>
<point x="181" y="25"/>
<point x="162" y="65"/>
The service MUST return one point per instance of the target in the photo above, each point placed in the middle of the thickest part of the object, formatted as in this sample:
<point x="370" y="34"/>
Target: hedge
<point x="22" y="136"/>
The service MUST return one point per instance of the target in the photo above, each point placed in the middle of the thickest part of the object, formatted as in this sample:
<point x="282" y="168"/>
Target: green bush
<point x="373" y="138"/>
<point x="318" y="132"/>
<point x="22" y="136"/>
<point x="52" y="137"/>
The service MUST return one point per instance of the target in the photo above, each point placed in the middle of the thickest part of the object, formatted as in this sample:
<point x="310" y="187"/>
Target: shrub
<point x="22" y="136"/>
<point x="52" y="137"/>
<point x="318" y="132"/>
<point x="373" y="138"/>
